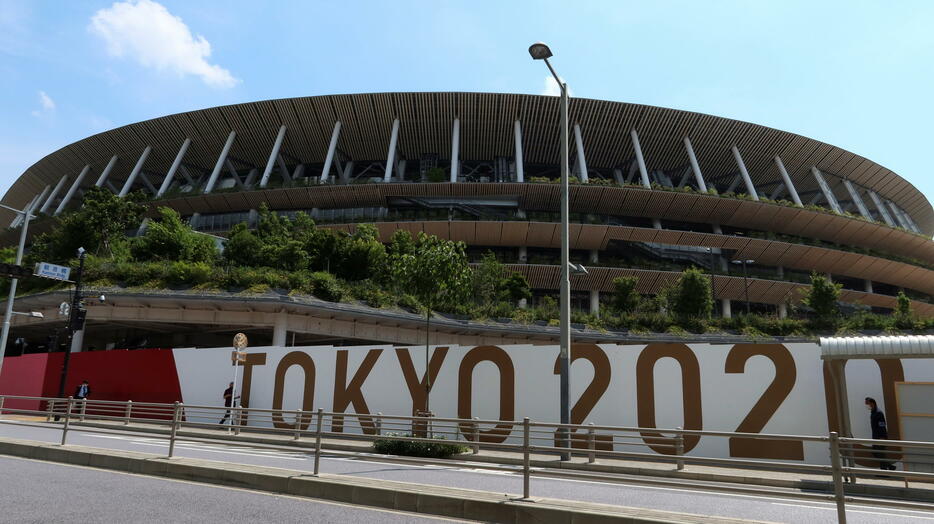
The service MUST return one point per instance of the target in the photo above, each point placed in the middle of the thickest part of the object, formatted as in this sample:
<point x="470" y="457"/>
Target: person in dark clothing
<point x="228" y="400"/>
<point x="879" y="432"/>
<point x="83" y="391"/>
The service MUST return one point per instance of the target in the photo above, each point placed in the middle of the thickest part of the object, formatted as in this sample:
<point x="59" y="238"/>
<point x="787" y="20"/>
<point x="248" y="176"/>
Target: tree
<point x="168" y="238"/>
<point x="516" y="287"/>
<point x="625" y="297"/>
<point x="436" y="273"/>
<point x="103" y="218"/>
<point x="243" y="247"/>
<point x="359" y="254"/>
<point x="903" y="313"/>
<point x="690" y="297"/>
<point x="487" y="279"/>
<point x="822" y="297"/>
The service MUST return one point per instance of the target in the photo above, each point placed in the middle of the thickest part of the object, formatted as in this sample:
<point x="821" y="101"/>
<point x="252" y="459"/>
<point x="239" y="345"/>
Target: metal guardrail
<point x="850" y="458"/>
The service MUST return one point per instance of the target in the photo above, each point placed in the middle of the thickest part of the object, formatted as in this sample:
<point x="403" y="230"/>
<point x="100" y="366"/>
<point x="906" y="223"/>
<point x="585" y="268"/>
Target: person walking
<point x="83" y="391"/>
<point x="228" y="400"/>
<point x="879" y="432"/>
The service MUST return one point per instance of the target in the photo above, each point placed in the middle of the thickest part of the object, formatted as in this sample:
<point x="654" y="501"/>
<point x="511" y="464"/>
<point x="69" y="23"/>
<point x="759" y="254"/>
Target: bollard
<point x="379" y="423"/>
<point x="239" y="415"/>
<point x="679" y="449"/>
<point x="84" y="407"/>
<point x="591" y="445"/>
<point x="525" y="458"/>
<point x="176" y="411"/>
<point x="298" y="424"/>
<point x="128" y="413"/>
<point x="67" y="420"/>
<point x="318" y="440"/>
<point x="476" y="436"/>
<point x="838" y="492"/>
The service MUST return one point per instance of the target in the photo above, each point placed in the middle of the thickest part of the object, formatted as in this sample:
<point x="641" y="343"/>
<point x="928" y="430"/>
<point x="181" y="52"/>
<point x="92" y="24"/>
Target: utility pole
<point x="75" y="321"/>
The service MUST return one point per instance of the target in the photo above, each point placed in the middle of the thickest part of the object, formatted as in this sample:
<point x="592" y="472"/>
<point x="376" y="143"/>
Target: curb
<point x="401" y="496"/>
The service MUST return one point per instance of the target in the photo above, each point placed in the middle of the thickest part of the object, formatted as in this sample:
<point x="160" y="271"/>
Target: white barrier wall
<point x="764" y="388"/>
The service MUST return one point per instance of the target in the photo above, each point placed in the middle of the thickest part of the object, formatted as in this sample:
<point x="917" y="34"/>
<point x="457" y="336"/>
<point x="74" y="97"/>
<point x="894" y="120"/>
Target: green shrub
<point x="371" y="294"/>
<point x="436" y="448"/>
<point x="326" y="287"/>
<point x="193" y="273"/>
<point x="138" y="273"/>
<point x="409" y="302"/>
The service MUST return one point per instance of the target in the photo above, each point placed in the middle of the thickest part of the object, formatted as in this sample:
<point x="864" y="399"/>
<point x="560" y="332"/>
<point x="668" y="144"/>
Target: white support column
<point x="726" y="308"/>
<point x="787" y="180"/>
<point x="273" y="155"/>
<point x="750" y="189"/>
<point x="895" y="212"/>
<point x="825" y="189"/>
<point x="391" y="155"/>
<point x="854" y="196"/>
<point x="523" y="255"/>
<point x="71" y="190"/>
<point x="581" y="159"/>
<point x="867" y="286"/>
<point x="53" y="194"/>
<point x="595" y="302"/>
<point x="695" y="167"/>
<point x="594" y="257"/>
<point x="618" y="176"/>
<point x="348" y="172"/>
<point x="106" y="172"/>
<point x="250" y="178"/>
<point x="455" y="150"/>
<point x="332" y="147"/>
<point x="212" y="180"/>
<point x="783" y="310"/>
<point x="167" y="181"/>
<point x="640" y="159"/>
<point x="133" y="174"/>
<point x="911" y="223"/>
<point x="881" y="208"/>
<point x="32" y="204"/>
<point x="520" y="166"/>
<point x="777" y="191"/>
<point x="280" y="329"/>
<point x="77" y="340"/>
<point x="233" y="171"/>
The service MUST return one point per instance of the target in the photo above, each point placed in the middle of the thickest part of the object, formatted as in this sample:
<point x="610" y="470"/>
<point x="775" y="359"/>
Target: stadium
<point x="653" y="191"/>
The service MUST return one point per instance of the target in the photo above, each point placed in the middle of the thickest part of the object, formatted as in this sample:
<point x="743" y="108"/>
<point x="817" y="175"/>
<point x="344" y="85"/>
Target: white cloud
<point x="147" y="32"/>
<point x="551" y="87"/>
<point x="46" y="101"/>
<point x="46" y="105"/>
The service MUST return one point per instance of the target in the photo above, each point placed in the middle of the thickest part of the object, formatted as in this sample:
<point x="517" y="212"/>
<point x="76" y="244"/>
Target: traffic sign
<point x="53" y="271"/>
<point x="239" y="341"/>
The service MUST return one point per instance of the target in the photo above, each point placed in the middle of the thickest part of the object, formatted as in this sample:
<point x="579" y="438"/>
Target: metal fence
<point x="506" y="441"/>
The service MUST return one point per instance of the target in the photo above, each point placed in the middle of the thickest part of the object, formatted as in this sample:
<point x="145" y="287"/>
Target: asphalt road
<point x="33" y="491"/>
<point x="768" y="508"/>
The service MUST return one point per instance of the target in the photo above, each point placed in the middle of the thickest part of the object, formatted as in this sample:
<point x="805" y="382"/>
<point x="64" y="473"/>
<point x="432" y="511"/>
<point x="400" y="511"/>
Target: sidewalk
<point x="578" y="463"/>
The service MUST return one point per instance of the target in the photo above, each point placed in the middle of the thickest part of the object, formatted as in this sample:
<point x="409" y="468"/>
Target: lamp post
<point x="540" y="51"/>
<point x="27" y="215"/>
<point x="713" y="288"/>
<point x="745" y="279"/>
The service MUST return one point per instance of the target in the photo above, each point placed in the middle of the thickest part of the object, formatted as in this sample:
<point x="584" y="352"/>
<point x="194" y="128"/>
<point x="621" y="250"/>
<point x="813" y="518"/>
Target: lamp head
<point x="540" y="51"/>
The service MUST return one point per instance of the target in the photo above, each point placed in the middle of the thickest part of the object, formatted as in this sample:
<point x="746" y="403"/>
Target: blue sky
<point x="857" y="74"/>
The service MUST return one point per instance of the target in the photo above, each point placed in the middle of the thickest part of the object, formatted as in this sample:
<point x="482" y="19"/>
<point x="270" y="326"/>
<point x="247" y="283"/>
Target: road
<point x="685" y="500"/>
<point x="33" y="491"/>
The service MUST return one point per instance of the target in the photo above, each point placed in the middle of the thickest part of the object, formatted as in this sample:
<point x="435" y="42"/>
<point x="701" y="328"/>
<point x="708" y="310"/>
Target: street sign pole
<point x="239" y="343"/>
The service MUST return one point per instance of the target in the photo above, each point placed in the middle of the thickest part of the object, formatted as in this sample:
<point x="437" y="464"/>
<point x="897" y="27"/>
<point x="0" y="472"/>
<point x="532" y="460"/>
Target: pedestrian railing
<point x="509" y="442"/>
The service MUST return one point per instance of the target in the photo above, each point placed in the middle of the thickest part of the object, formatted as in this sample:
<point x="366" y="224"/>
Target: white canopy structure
<point x="912" y="346"/>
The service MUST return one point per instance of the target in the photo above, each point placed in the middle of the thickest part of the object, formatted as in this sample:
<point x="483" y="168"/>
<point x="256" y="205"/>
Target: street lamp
<point x="540" y="51"/>
<point x="27" y="215"/>
<point x="745" y="279"/>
